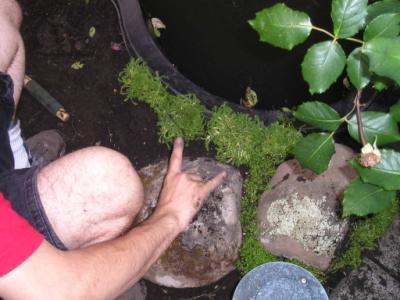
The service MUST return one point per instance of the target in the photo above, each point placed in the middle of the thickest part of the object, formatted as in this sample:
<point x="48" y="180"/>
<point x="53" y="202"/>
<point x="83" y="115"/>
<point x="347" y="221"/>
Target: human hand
<point x="183" y="194"/>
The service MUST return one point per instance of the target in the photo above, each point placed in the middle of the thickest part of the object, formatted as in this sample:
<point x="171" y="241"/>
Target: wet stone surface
<point x="207" y="250"/>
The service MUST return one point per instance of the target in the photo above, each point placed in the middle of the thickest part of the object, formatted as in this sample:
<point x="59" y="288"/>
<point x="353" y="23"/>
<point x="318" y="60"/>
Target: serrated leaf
<point x="376" y="124"/>
<point x="319" y="115"/>
<point x="386" y="174"/>
<point x="382" y="7"/>
<point x="322" y="65"/>
<point x="384" y="57"/>
<point x="92" y="32"/>
<point x="362" y="199"/>
<point x="386" y="25"/>
<point x="395" y="111"/>
<point x="348" y="17"/>
<point x="315" y="151"/>
<point x="357" y="69"/>
<point x="282" y="26"/>
<point x="77" y="65"/>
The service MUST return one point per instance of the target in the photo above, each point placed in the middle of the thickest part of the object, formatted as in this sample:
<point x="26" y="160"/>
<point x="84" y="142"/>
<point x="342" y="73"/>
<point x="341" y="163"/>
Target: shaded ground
<point x="56" y="36"/>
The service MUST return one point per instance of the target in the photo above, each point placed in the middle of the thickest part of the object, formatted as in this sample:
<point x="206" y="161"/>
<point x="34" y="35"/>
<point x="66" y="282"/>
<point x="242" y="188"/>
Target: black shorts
<point x="20" y="186"/>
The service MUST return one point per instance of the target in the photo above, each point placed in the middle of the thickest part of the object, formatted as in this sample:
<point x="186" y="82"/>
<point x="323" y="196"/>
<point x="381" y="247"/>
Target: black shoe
<point x="44" y="147"/>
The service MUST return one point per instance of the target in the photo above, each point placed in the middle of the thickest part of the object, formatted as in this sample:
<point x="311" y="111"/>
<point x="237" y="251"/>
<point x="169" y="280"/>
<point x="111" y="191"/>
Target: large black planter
<point x="140" y="43"/>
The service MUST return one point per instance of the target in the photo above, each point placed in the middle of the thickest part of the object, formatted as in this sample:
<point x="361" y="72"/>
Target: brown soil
<point x="56" y="36"/>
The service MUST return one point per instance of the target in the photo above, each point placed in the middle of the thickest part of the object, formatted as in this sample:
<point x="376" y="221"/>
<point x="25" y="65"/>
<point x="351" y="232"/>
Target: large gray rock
<point x="208" y="248"/>
<point x="299" y="216"/>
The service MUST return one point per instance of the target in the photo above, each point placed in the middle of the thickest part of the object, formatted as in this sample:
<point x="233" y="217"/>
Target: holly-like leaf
<point x="376" y="125"/>
<point x="322" y="65"/>
<point x="362" y="199"/>
<point x="395" y="111"/>
<point x="386" y="174"/>
<point x="357" y="69"/>
<point x="348" y="17"/>
<point x="384" y="57"/>
<point x="282" y="26"/>
<point x="319" y="115"/>
<point x="386" y="25"/>
<point x="315" y="151"/>
<point x="382" y="7"/>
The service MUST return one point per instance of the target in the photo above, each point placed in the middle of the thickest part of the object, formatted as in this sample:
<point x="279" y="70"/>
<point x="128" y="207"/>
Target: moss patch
<point x="180" y="115"/>
<point x="364" y="236"/>
<point x="241" y="140"/>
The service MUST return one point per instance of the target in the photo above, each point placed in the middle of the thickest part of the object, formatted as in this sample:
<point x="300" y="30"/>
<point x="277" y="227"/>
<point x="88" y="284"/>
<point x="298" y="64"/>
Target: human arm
<point x="105" y="270"/>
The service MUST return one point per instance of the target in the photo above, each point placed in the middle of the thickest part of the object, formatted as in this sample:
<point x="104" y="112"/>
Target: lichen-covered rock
<point x="208" y="248"/>
<point x="299" y="216"/>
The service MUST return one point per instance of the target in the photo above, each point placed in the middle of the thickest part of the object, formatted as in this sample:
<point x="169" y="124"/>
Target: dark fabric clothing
<point x="19" y="187"/>
<point x="6" y="114"/>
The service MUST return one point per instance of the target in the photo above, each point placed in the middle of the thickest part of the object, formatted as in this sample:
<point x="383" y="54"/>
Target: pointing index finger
<point x="175" y="163"/>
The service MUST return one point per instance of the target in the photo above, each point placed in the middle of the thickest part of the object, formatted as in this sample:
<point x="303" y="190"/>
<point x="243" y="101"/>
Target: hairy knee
<point x="117" y="177"/>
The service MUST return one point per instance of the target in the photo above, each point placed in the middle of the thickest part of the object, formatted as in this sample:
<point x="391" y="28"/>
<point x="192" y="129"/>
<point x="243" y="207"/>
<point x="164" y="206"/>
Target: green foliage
<point x="324" y="62"/>
<point x="281" y="26"/>
<point x="364" y="235"/>
<point x="180" y="115"/>
<point x="348" y="17"/>
<point x="385" y="174"/>
<point x="395" y="111"/>
<point x="383" y="55"/>
<point x="362" y="199"/>
<point x="315" y="151"/>
<point x="357" y="69"/>
<point x="319" y="115"/>
<point x="382" y="7"/>
<point x="322" y="65"/>
<point x="377" y="125"/>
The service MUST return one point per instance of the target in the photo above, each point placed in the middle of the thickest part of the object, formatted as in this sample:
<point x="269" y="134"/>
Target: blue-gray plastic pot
<point x="279" y="281"/>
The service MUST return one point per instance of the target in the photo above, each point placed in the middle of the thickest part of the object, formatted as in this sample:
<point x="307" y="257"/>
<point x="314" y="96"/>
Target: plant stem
<point x="355" y="40"/>
<point x="323" y="30"/>
<point x="359" y="119"/>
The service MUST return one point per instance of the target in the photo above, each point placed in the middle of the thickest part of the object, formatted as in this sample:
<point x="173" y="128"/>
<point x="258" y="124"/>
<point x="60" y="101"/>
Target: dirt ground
<point x="56" y="35"/>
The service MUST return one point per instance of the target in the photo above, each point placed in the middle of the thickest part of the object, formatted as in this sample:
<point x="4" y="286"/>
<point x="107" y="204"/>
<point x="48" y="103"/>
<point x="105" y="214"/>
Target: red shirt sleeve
<point x="18" y="239"/>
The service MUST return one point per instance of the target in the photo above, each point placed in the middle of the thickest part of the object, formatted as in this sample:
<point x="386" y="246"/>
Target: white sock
<point x="17" y="146"/>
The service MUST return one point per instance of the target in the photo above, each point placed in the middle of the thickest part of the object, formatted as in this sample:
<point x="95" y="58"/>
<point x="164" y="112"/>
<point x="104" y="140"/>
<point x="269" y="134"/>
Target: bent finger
<point x="212" y="184"/>
<point x="175" y="163"/>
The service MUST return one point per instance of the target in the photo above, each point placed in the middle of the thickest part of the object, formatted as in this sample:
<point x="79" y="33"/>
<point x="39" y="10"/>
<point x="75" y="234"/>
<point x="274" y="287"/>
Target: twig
<point x="359" y="119"/>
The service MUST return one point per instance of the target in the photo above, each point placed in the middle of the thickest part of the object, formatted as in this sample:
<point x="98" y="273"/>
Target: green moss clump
<point x="364" y="236"/>
<point x="180" y="115"/>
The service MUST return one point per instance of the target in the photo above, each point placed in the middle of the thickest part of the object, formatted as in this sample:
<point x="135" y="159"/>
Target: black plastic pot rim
<point x="140" y="43"/>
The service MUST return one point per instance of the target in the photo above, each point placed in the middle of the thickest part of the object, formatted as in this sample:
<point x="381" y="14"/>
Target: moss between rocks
<point x="364" y="236"/>
<point x="241" y="141"/>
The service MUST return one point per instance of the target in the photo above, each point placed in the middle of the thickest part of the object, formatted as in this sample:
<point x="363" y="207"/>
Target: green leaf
<point x="77" y="65"/>
<point x="348" y="17"/>
<point x="362" y="199"/>
<point x="384" y="57"/>
<point x="322" y="65"/>
<point x="382" y="7"/>
<point x="92" y="32"/>
<point x="376" y="124"/>
<point x="357" y="69"/>
<point x="282" y="26"/>
<point x="386" y="174"/>
<point x="381" y="83"/>
<point x="387" y="25"/>
<point x="315" y="151"/>
<point x="395" y="111"/>
<point x="319" y="115"/>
